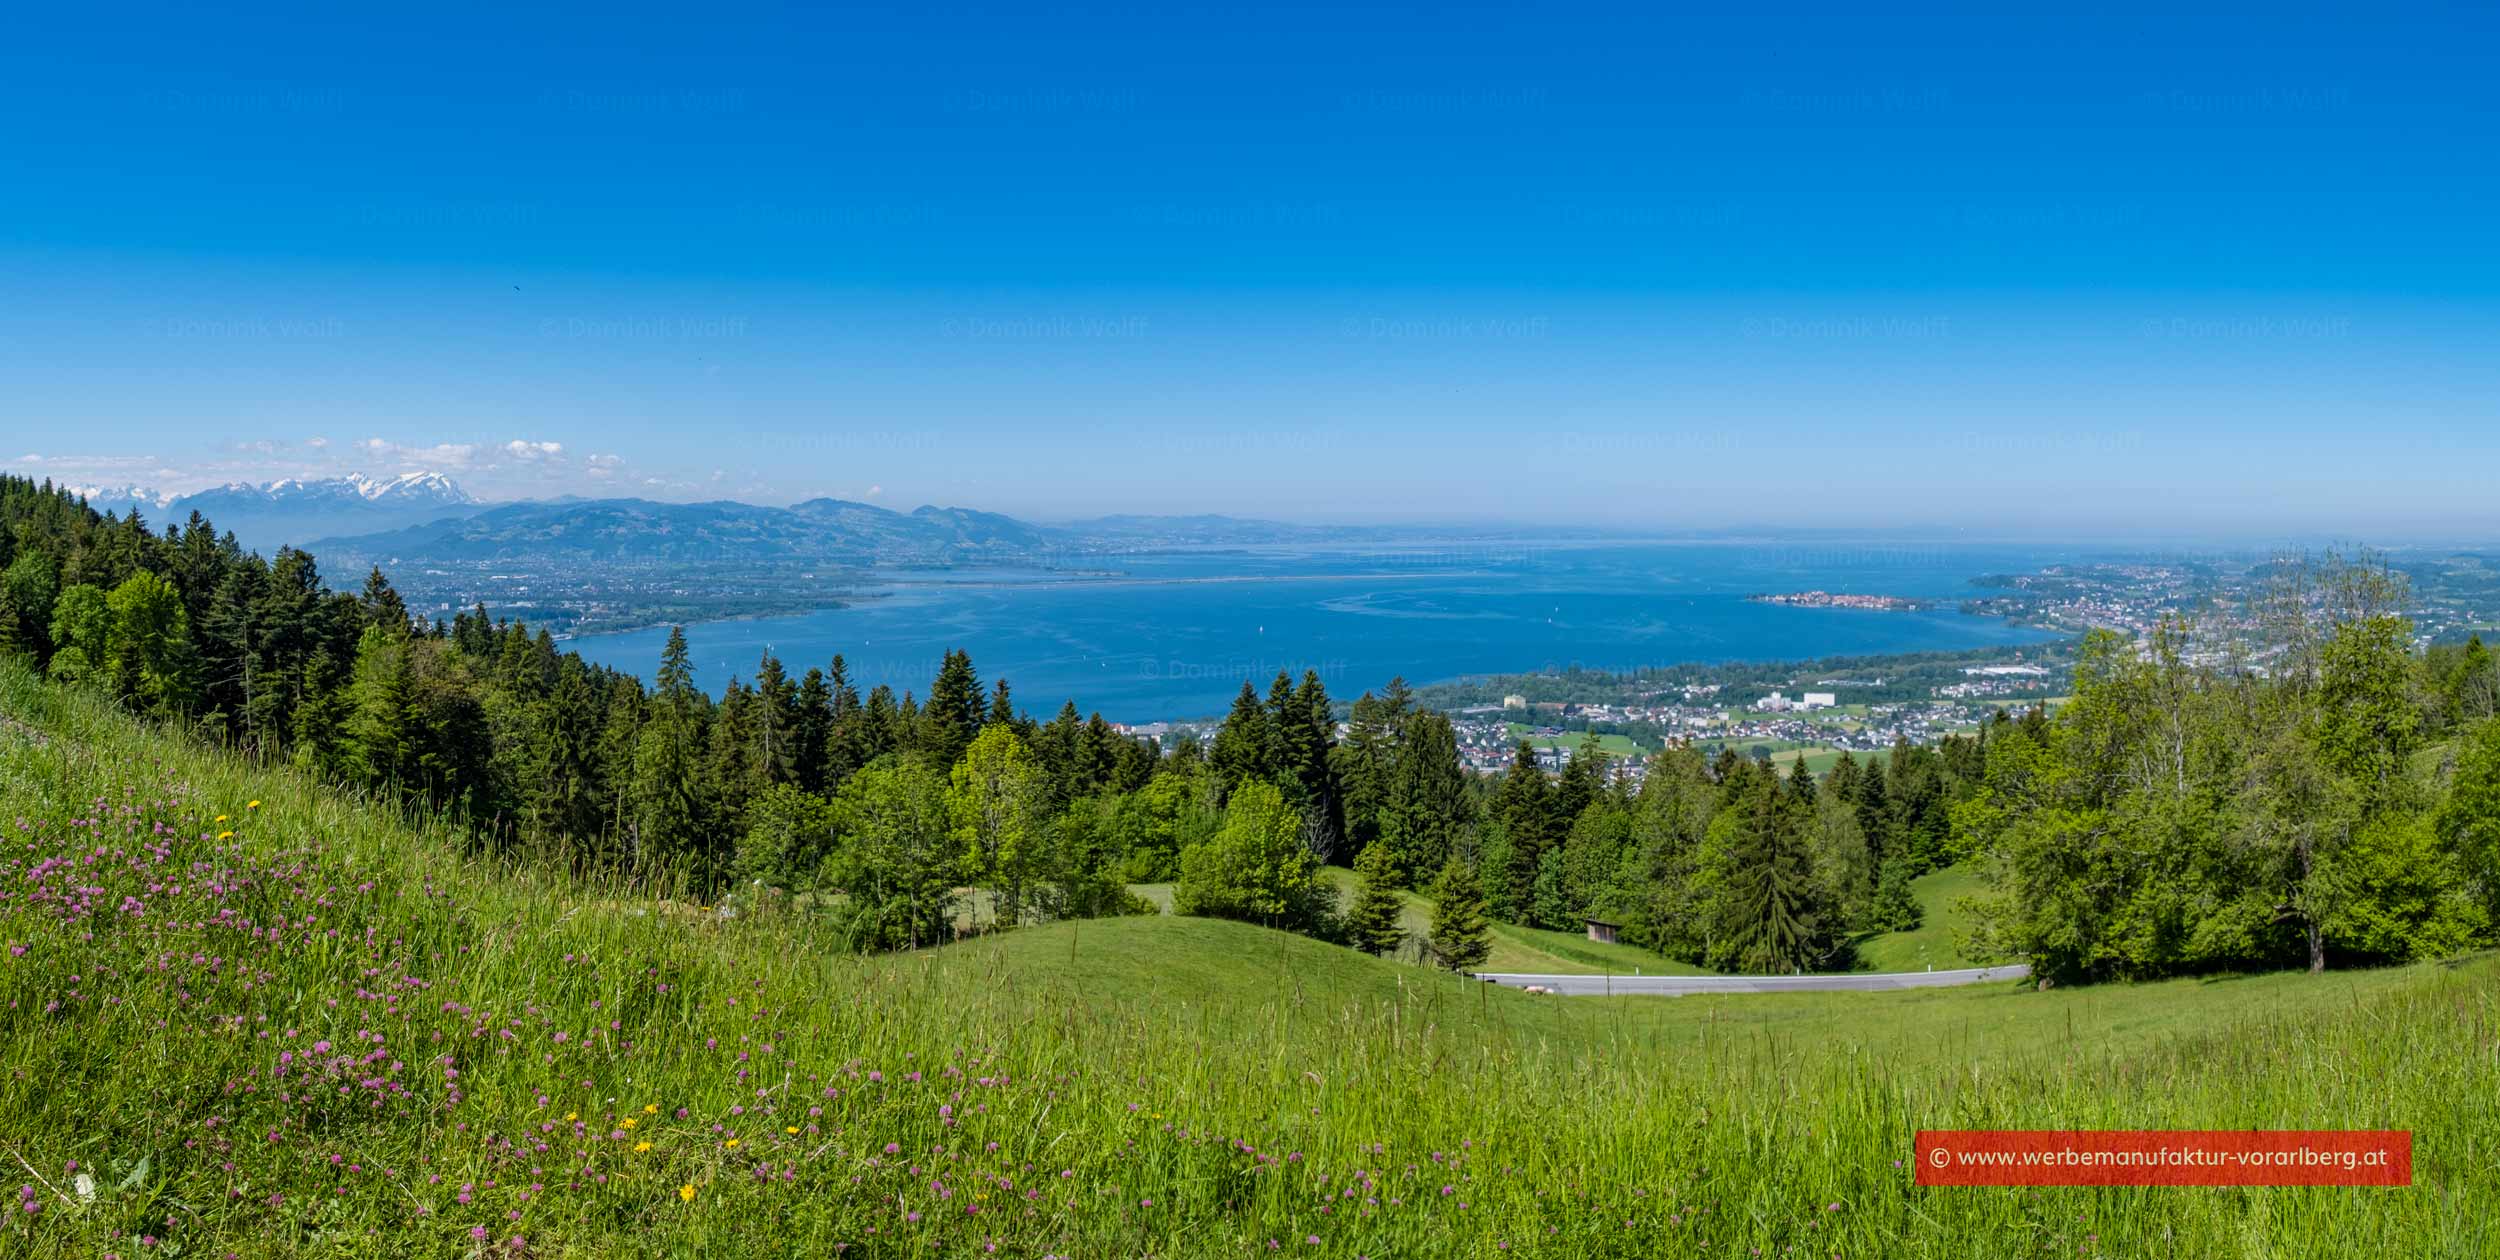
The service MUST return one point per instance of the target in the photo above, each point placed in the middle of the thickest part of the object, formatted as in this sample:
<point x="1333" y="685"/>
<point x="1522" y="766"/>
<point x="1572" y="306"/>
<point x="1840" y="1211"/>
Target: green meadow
<point x="339" y="1031"/>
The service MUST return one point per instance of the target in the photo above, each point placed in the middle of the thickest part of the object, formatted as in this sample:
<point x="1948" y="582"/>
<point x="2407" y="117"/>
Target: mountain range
<point x="296" y="510"/>
<point x="640" y="531"/>
<point x="426" y="518"/>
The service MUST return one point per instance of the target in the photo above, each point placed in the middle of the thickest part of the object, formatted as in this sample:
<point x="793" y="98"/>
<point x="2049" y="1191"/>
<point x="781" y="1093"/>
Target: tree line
<point x="2183" y="811"/>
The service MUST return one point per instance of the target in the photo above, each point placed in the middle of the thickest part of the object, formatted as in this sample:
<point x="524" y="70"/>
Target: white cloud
<point x="318" y="443"/>
<point x="524" y="449"/>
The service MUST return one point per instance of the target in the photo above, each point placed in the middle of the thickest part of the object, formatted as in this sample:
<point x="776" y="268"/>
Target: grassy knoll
<point x="1932" y="944"/>
<point x="333" y="1033"/>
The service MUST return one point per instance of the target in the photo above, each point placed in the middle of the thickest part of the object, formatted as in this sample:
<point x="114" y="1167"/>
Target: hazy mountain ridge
<point x="295" y="510"/>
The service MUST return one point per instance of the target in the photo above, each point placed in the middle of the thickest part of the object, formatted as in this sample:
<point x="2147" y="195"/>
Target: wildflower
<point x="651" y="1109"/>
<point x="221" y="818"/>
<point x="791" y="1129"/>
<point x="730" y="1143"/>
<point x="225" y="835"/>
<point x="629" y="1122"/>
<point x="640" y="1147"/>
<point x="686" y="1193"/>
<point x="251" y="805"/>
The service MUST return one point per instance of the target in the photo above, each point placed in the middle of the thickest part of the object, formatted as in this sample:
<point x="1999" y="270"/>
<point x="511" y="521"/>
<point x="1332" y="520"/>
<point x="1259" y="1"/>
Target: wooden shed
<point x="1601" y="931"/>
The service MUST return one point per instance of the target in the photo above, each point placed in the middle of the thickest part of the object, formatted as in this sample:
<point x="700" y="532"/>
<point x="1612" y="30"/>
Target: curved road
<point x="1678" y="986"/>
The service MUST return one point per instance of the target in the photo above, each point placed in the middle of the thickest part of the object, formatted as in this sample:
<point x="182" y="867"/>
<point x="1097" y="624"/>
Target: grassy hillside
<point x="1933" y="944"/>
<point x="332" y="1033"/>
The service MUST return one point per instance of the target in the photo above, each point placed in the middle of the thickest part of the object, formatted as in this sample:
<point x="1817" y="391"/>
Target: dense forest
<point x="2188" y="810"/>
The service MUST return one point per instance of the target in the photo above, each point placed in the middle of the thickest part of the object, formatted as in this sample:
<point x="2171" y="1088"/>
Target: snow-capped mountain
<point x="295" y="509"/>
<point x="413" y="488"/>
<point x="121" y="499"/>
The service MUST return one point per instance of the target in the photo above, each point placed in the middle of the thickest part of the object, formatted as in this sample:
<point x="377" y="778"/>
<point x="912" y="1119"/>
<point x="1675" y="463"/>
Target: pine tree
<point x="1896" y="907"/>
<point x="382" y="605"/>
<point x="1428" y="804"/>
<point x="772" y="726"/>
<point x="811" y="730"/>
<point x="1362" y="762"/>
<point x="1242" y="745"/>
<point x="380" y="728"/>
<point x="1371" y="923"/>
<point x="1460" y="936"/>
<point x="882" y="726"/>
<point x="1321" y="800"/>
<point x="1768" y="920"/>
<point x="851" y="733"/>
<point x="1523" y="805"/>
<point x="953" y="713"/>
<point x="1002" y="707"/>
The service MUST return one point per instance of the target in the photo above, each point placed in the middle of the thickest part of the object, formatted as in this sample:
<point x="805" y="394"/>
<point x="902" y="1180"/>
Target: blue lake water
<point x="1174" y="635"/>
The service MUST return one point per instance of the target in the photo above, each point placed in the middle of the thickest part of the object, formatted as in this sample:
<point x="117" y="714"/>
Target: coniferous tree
<point x="883" y="725"/>
<point x="1523" y="806"/>
<point x="1243" y="745"/>
<point x="1428" y="804"/>
<point x="1769" y="921"/>
<point x="811" y="732"/>
<point x="853" y="731"/>
<point x="1372" y="922"/>
<point x="382" y="605"/>
<point x="772" y="726"/>
<point x="1461" y="938"/>
<point x="953" y="713"/>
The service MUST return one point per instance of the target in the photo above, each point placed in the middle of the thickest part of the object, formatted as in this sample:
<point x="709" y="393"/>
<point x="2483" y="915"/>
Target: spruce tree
<point x="1896" y="907"/>
<point x="1523" y="805"/>
<point x="1427" y="800"/>
<point x="811" y="731"/>
<point x="772" y="726"/>
<point x="1371" y="923"/>
<point x="1460" y="936"/>
<point x="953" y="713"/>
<point x="1242" y="744"/>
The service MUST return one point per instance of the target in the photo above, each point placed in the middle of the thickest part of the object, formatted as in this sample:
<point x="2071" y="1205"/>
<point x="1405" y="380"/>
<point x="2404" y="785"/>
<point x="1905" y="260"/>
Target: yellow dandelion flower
<point x="792" y="1129"/>
<point x="730" y="1142"/>
<point x="640" y="1147"/>
<point x="686" y="1193"/>
<point x="225" y="835"/>
<point x="651" y="1109"/>
<point x="572" y="1115"/>
<point x="221" y="818"/>
<point x="629" y="1122"/>
<point x="251" y="805"/>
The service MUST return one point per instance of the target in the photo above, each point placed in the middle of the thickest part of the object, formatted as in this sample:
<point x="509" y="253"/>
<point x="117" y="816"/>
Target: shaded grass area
<point x="1161" y="1086"/>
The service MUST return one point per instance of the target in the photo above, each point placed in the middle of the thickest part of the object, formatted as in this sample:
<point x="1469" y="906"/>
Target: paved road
<point x="1677" y="986"/>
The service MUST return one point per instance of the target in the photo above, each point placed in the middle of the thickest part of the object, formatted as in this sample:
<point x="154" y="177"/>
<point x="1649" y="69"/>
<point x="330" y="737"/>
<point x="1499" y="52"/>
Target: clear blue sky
<point x="1827" y="265"/>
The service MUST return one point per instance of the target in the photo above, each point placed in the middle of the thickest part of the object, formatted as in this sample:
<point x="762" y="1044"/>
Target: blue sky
<point x="2229" y="272"/>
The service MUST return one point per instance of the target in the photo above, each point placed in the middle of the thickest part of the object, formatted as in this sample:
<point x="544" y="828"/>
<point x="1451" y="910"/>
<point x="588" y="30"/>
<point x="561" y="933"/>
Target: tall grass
<point x="333" y="1034"/>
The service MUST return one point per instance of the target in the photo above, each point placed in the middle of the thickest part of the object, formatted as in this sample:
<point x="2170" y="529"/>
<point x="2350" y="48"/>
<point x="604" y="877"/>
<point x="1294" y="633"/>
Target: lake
<point x="1174" y="634"/>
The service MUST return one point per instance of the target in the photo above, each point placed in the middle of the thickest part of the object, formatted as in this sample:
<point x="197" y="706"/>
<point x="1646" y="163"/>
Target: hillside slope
<point x="331" y="1032"/>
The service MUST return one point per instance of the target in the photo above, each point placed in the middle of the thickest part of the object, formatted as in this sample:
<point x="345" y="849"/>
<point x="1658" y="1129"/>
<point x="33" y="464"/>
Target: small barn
<point x="1601" y="931"/>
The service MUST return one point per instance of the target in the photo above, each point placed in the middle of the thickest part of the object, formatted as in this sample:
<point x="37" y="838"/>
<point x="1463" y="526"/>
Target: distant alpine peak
<point x="408" y="487"/>
<point x="432" y="486"/>
<point x="122" y="494"/>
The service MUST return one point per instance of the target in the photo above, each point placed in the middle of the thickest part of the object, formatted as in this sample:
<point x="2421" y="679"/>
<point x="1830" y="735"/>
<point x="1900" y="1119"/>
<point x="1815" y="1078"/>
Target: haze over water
<point x="1174" y="634"/>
